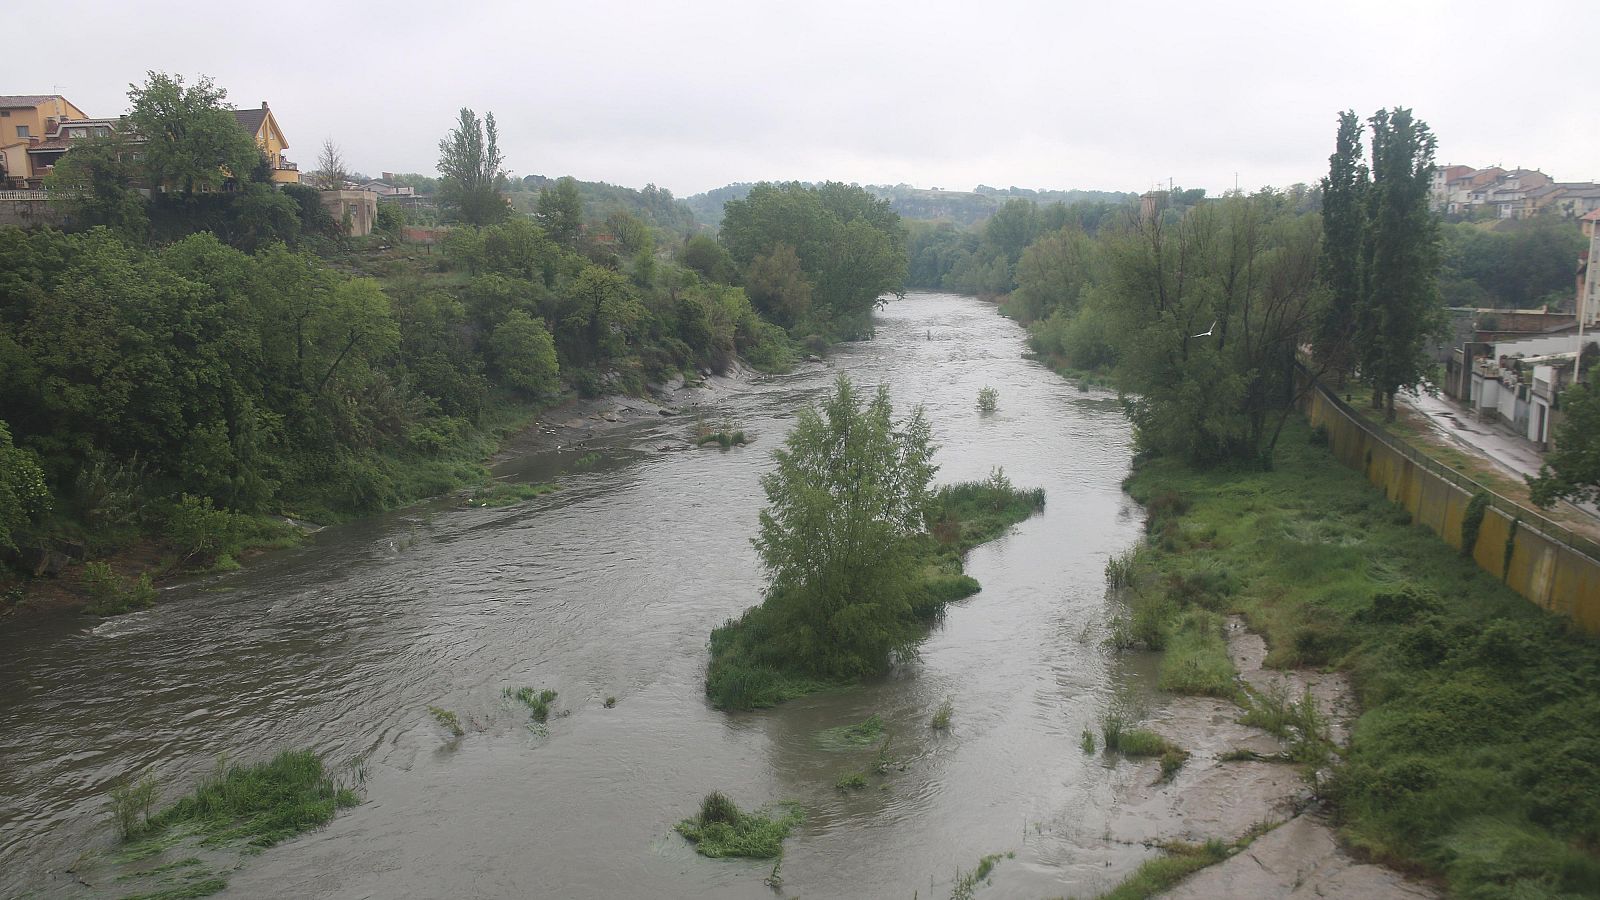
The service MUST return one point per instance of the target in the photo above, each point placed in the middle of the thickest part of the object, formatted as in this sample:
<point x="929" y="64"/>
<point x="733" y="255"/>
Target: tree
<point x="331" y="171"/>
<point x="845" y="501"/>
<point x="703" y="254"/>
<point x="777" y="285"/>
<point x="23" y="494"/>
<point x="1572" y="470"/>
<point x="851" y="246"/>
<point x="524" y="354"/>
<point x="1400" y="306"/>
<point x="471" y="173"/>
<point x="190" y="140"/>
<point x="1343" y="228"/>
<point x="96" y="184"/>
<point x="561" y="212"/>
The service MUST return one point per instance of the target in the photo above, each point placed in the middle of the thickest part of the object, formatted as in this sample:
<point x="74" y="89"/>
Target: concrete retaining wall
<point x="1542" y="567"/>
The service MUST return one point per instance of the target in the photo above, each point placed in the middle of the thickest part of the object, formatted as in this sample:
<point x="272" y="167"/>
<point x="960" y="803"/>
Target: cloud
<point x="692" y="96"/>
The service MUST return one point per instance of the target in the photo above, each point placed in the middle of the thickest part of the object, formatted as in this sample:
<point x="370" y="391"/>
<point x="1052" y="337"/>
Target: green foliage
<point x="1514" y="263"/>
<point x="850" y="737"/>
<point x="966" y="885"/>
<point x="1572" y="470"/>
<point x="261" y="804"/>
<point x="1399" y="308"/>
<point x="1196" y="659"/>
<point x="448" y="720"/>
<point x="522" y="351"/>
<point x="131" y="802"/>
<point x="1472" y="521"/>
<point x="941" y="716"/>
<point x="1086" y="741"/>
<point x="191" y="141"/>
<point x="855" y="781"/>
<point x="721" y="829"/>
<point x="537" y="702"/>
<point x="503" y="493"/>
<point x="1155" y="876"/>
<point x="196" y="528"/>
<point x="471" y="173"/>
<point x="561" y="212"/>
<point x="850" y="248"/>
<point x="24" y="496"/>
<point x="988" y="399"/>
<point x="110" y="594"/>
<point x="1473" y="758"/>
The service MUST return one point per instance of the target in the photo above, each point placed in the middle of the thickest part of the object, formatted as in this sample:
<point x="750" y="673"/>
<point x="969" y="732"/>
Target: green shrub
<point x="722" y="829"/>
<point x="988" y="399"/>
<point x="260" y="804"/>
<point x="111" y="595"/>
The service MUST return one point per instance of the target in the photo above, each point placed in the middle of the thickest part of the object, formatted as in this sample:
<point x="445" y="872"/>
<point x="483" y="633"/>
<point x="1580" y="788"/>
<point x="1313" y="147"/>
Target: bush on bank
<point x="1477" y="756"/>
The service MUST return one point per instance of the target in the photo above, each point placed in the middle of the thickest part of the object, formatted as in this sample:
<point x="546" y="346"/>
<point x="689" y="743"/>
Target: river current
<point x="608" y="587"/>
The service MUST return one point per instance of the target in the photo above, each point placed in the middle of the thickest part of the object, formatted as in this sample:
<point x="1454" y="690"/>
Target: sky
<point x="1118" y="95"/>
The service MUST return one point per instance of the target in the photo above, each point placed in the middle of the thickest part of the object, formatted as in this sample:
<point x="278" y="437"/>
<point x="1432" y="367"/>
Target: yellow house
<point x="24" y="120"/>
<point x="263" y="126"/>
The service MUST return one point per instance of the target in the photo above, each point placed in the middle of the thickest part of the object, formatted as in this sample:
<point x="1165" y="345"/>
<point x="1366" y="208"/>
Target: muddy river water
<point x="607" y="588"/>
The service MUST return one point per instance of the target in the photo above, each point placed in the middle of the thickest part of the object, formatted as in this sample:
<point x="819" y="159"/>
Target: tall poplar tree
<point x="1339" y="267"/>
<point x="471" y="170"/>
<point x="1400" y="256"/>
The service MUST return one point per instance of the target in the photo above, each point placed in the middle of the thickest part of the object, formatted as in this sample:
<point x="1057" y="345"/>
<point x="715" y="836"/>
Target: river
<point x="608" y="587"/>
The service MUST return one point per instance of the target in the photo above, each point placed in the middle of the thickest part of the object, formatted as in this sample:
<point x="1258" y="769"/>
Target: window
<point x="22" y="131"/>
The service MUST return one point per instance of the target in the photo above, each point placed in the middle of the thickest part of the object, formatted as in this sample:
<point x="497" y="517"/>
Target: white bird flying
<point x="1207" y="331"/>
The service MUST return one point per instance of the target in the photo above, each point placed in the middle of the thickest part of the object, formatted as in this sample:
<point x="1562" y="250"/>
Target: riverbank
<point x="1473" y="759"/>
<point x="68" y="586"/>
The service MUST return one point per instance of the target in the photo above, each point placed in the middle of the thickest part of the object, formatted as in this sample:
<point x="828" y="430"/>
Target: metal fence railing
<point x="24" y="195"/>
<point x="1530" y="518"/>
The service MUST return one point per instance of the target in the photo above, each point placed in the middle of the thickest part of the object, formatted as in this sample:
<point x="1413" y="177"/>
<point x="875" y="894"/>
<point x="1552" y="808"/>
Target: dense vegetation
<point x="179" y="363"/>
<point x="249" y="806"/>
<point x="817" y="260"/>
<point x="1511" y="263"/>
<point x="860" y="552"/>
<point x="1477" y="755"/>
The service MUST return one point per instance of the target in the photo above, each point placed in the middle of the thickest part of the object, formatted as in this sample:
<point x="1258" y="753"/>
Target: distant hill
<point x="964" y="208"/>
<point x="652" y="205"/>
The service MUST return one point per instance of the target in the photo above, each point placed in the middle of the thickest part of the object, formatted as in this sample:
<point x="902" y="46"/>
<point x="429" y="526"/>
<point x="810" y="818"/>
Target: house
<point x="24" y="120"/>
<point x="1443" y="178"/>
<point x="387" y="191"/>
<point x="43" y="155"/>
<point x="263" y="127"/>
<point x="356" y="211"/>
<point x="1588" y="304"/>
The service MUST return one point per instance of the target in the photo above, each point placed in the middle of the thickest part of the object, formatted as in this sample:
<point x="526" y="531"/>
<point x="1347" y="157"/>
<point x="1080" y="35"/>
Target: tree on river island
<point x="860" y="553"/>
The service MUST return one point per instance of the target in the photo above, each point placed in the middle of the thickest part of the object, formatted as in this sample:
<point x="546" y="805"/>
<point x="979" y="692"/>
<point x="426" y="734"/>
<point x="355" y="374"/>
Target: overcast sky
<point x="692" y="95"/>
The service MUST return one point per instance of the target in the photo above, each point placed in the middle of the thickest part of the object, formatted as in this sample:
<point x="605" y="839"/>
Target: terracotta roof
<point x="49" y="146"/>
<point x="16" y="100"/>
<point x="1593" y="216"/>
<point x="250" y="119"/>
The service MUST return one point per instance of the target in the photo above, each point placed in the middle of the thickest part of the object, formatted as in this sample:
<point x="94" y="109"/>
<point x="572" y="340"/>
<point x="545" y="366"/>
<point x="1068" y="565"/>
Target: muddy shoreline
<point x="1213" y="798"/>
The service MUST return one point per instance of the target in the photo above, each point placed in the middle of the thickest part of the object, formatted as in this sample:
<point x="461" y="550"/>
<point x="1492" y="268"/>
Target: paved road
<point x="1488" y="440"/>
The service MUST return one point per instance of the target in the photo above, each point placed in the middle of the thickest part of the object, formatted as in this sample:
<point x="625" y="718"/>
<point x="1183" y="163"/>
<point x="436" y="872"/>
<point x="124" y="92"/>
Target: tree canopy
<point x="471" y="170"/>
<point x="850" y="246"/>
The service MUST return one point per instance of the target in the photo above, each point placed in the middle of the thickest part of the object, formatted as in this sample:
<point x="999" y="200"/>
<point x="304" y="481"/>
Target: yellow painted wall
<point x="34" y="119"/>
<point x="1542" y="569"/>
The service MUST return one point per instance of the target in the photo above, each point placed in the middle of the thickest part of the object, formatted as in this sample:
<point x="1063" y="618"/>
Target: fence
<point x="1538" y="558"/>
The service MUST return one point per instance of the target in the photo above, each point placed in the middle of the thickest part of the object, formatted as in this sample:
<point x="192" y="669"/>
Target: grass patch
<point x="966" y="885"/>
<point x="112" y="595"/>
<point x="941" y="716"/>
<point x="537" y="702"/>
<point x="1087" y="742"/>
<point x="1477" y="756"/>
<point x="1159" y="874"/>
<point x="722" y="829"/>
<point x="851" y="737"/>
<point x="855" y="781"/>
<point x="1196" y="661"/>
<point x="502" y="493"/>
<point x="259" y="805"/>
<point x="448" y="720"/>
<point x="746" y="673"/>
<point x="1120" y="737"/>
